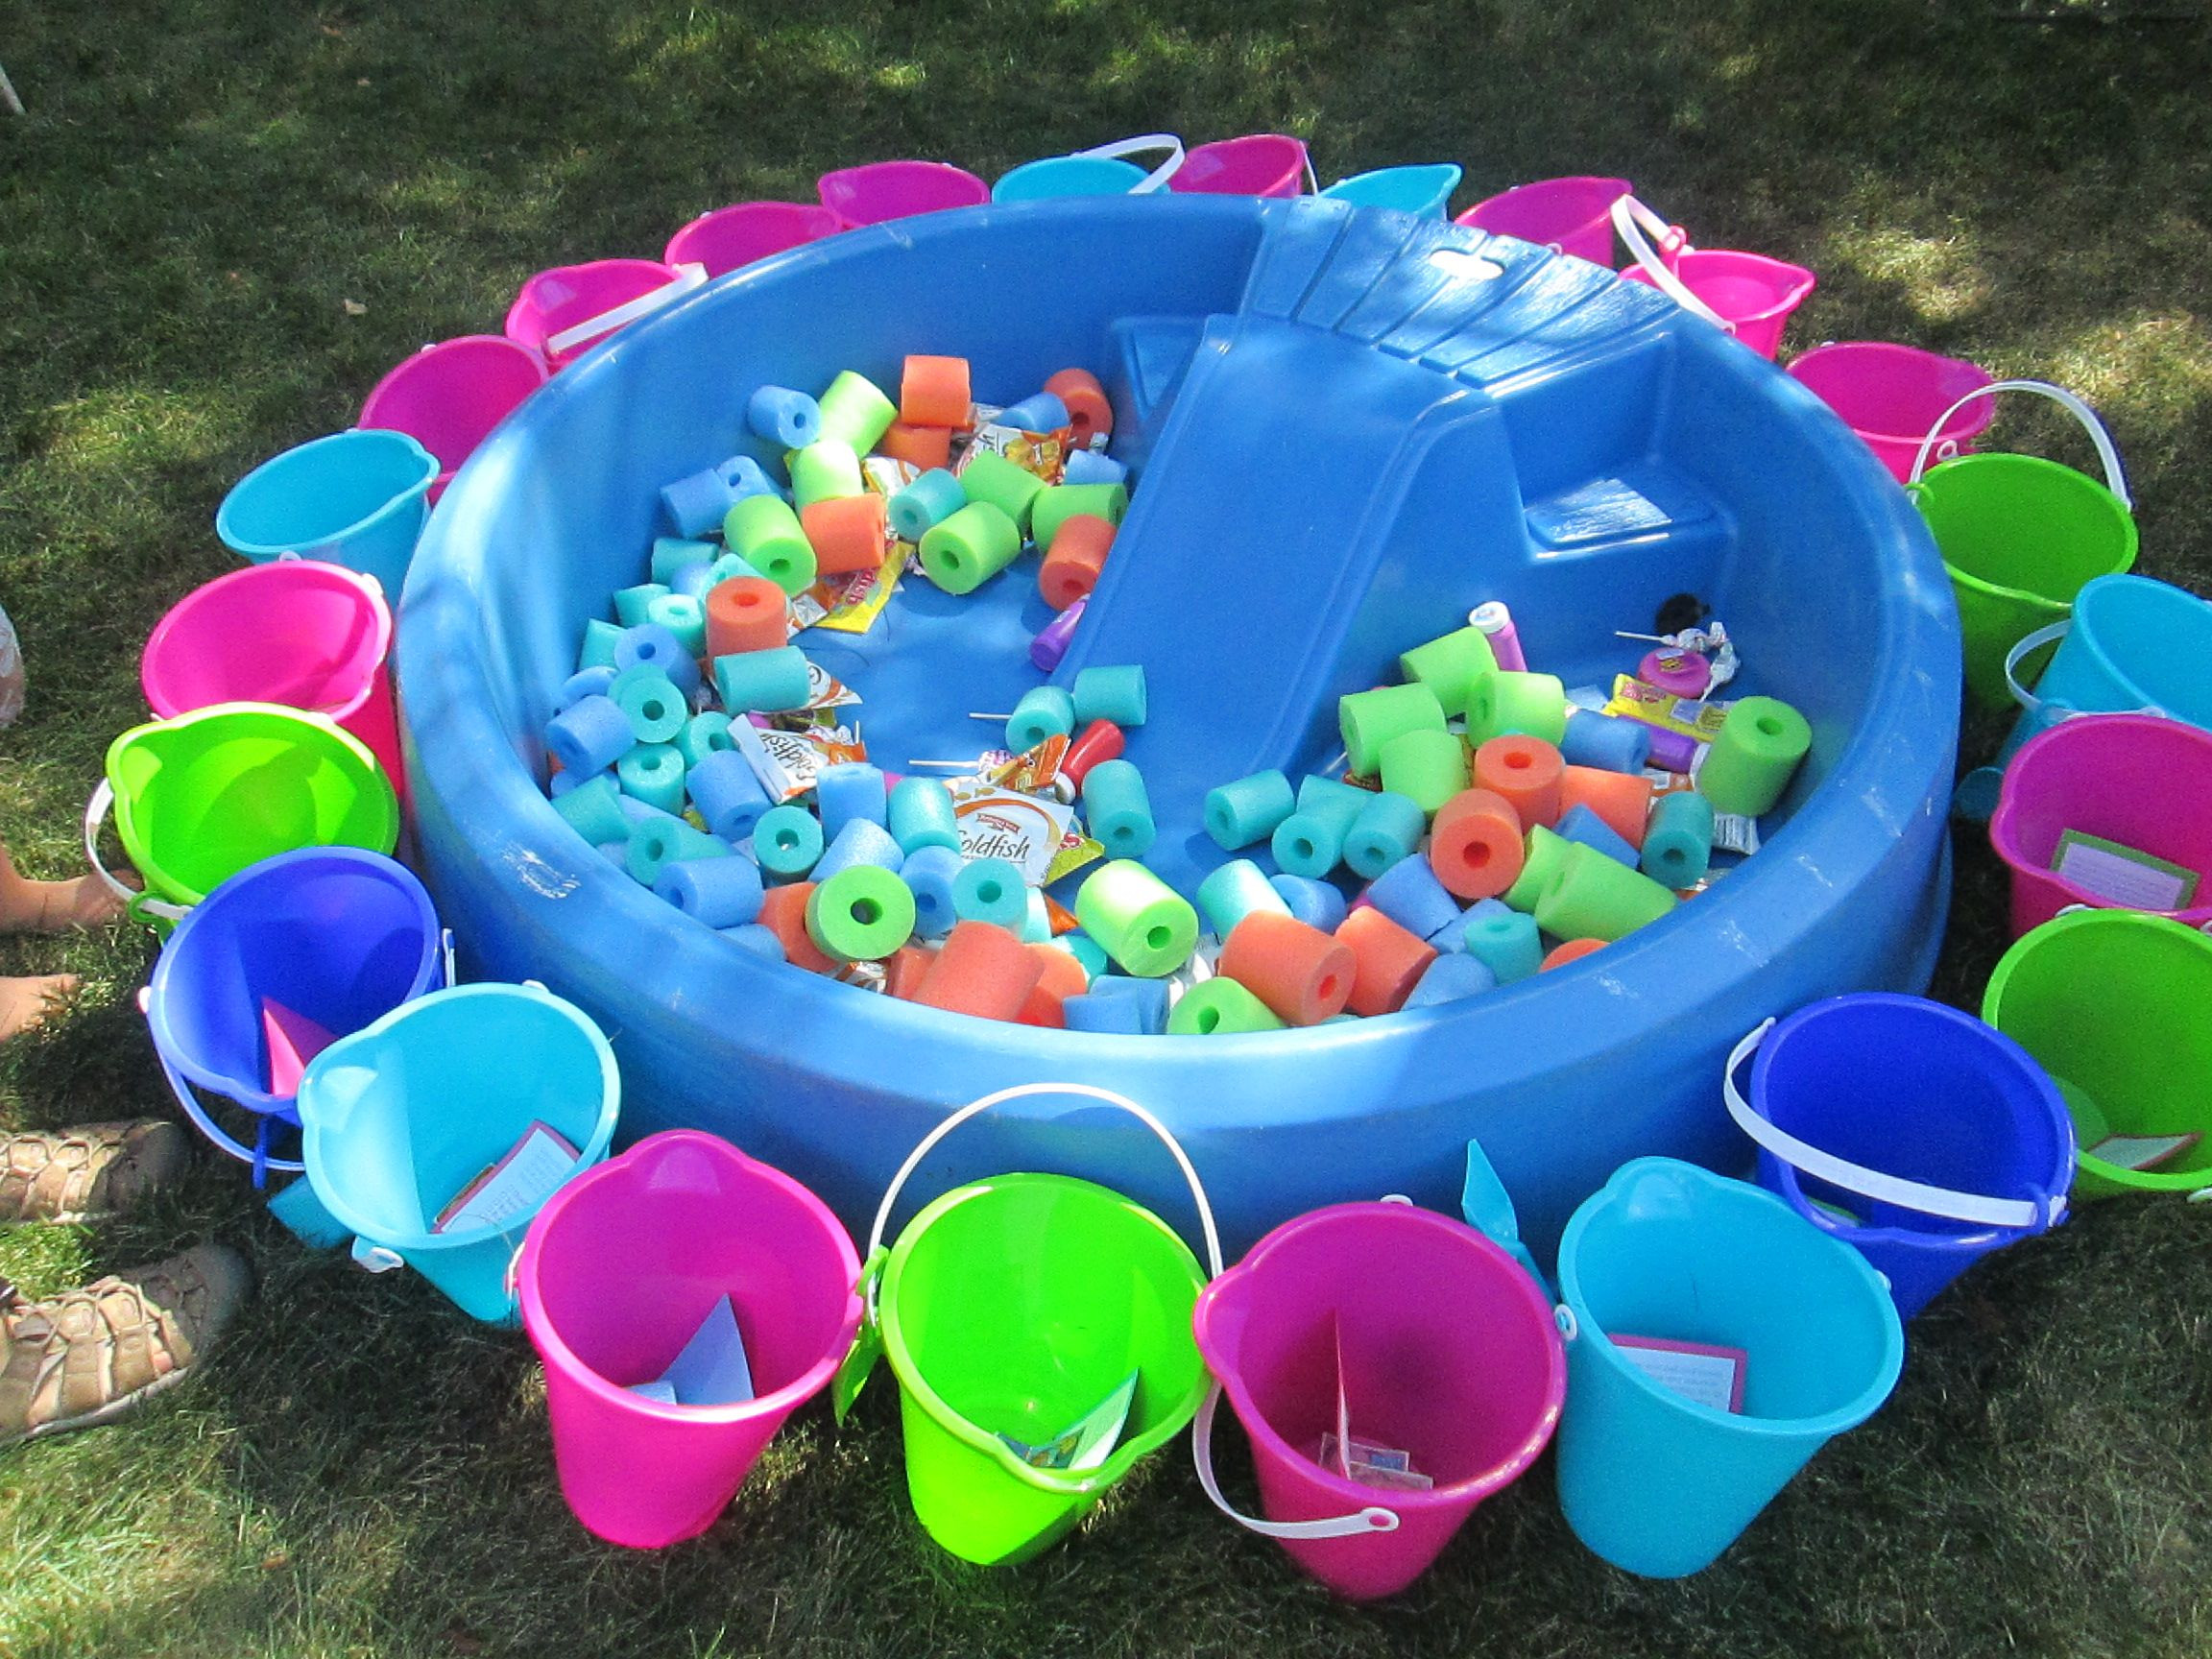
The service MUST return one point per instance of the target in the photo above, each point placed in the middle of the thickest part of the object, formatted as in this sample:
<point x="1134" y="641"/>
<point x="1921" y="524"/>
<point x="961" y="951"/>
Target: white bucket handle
<point x="1121" y="149"/>
<point x="1372" y="1519"/>
<point x="1628" y="214"/>
<point x="976" y="1108"/>
<point x="2019" y="1214"/>
<point x="2115" y="479"/>
<point x="188" y="1098"/>
<point x="688" y="276"/>
<point x="2039" y="705"/>
<point x="141" y="905"/>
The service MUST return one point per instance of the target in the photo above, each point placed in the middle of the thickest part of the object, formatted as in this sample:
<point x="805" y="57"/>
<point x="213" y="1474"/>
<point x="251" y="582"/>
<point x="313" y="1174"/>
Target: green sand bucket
<point x="199" y="797"/>
<point x="2019" y="535"/>
<point x="1013" y="1306"/>
<point x="2113" y="1004"/>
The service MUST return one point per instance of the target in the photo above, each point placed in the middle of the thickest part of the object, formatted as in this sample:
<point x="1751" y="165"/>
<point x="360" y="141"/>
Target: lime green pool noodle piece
<point x="1426" y="767"/>
<point x="1500" y="702"/>
<point x="855" y="413"/>
<point x="1754" y="756"/>
<point x="766" y="534"/>
<point x="1057" y="503"/>
<point x="970" y="547"/>
<point x="1220" y="1007"/>
<point x="600" y="638"/>
<point x="631" y="604"/>
<point x="826" y="469"/>
<point x="1598" y="896"/>
<point x="1370" y="719"/>
<point x="683" y="617"/>
<point x="1144" y="923"/>
<point x="1539" y="868"/>
<point x="861" y="914"/>
<point x="993" y="478"/>
<point x="1448" y="666"/>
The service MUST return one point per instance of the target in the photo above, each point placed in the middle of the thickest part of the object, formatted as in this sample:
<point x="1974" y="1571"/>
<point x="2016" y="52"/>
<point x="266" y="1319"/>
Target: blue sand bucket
<point x="1917" y="1135"/>
<point x="1104" y="170"/>
<point x="1421" y="190"/>
<point x="398" y="1119"/>
<point x="1658" y="1483"/>
<point x="337" y="936"/>
<point x="355" y="498"/>
<point x="2133" y="645"/>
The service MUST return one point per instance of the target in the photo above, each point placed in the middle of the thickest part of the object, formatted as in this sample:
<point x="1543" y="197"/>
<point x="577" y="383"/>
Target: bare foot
<point x="27" y="1002"/>
<point x="27" y="906"/>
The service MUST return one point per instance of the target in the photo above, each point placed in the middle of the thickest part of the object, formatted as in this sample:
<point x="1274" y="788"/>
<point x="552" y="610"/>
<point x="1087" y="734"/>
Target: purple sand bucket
<point x="1574" y="215"/>
<point x="884" y="190"/>
<point x="449" y="396"/>
<point x="1747" y="295"/>
<point x="733" y="237"/>
<point x="1891" y="395"/>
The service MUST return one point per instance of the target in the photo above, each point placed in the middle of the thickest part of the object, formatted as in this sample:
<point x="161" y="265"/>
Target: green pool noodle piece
<point x="1220" y="1007"/>
<point x="1448" y="666"/>
<point x="632" y="605"/>
<point x="1247" y="811"/>
<point x="656" y="709"/>
<point x="1370" y="719"/>
<point x="993" y="478"/>
<point x="1753" y="756"/>
<point x="1332" y="801"/>
<point x="683" y="617"/>
<point x="825" y="470"/>
<point x="704" y="734"/>
<point x="593" y="810"/>
<point x="1144" y="923"/>
<point x="861" y="914"/>
<point x="787" y="841"/>
<point x="1426" y="767"/>
<point x="1500" y="702"/>
<point x="855" y="413"/>
<point x="600" y="638"/>
<point x="653" y="773"/>
<point x="663" y="841"/>
<point x="1058" y="503"/>
<point x="763" y="681"/>
<point x="765" y="533"/>
<point x="1539" y="867"/>
<point x="970" y="547"/>
<point x="1114" y="692"/>
<point x="1598" y="896"/>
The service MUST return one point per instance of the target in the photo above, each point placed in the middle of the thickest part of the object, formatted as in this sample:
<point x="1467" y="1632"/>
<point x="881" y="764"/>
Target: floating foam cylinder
<point x="1410" y="896"/>
<point x="992" y="890"/>
<point x="660" y="842"/>
<point x="1058" y="503"/>
<point x="598" y="648"/>
<point x="925" y="448"/>
<point x="855" y="413"/>
<point x="1149" y="996"/>
<point x="684" y="616"/>
<point x="982" y="970"/>
<point x="925" y="503"/>
<point x="765" y="533"/>
<point x="1370" y="719"/>
<point x="848" y="790"/>
<point x="691" y="583"/>
<point x="1754" y="757"/>
<point x="1476" y="849"/>
<point x="1584" y="828"/>
<point x="1388" y="960"/>
<point x="1091" y="467"/>
<point x="826" y="469"/>
<point x="935" y="392"/>
<point x="1089" y="410"/>
<point x="1389" y="828"/>
<point x="747" y="614"/>
<point x="728" y="794"/>
<point x="1316" y="903"/>
<point x="1112" y="1016"/>
<point x="564" y="781"/>
<point x="716" y="892"/>
<point x="1678" y="840"/>
<point x="783" y="911"/>
<point x="929" y="873"/>
<point x="653" y="773"/>
<point x="1118" y="809"/>
<point x="1115" y="692"/>
<point x="786" y="419"/>
<point x="1542" y="853"/>
<point x="1220" y="1007"/>
<point x="1504" y="940"/>
<point x="705" y="734"/>
<point x="1077" y="554"/>
<point x="991" y="478"/>
<point x="1448" y="666"/>
<point x="970" y="547"/>
<point x="1303" y="974"/>
<point x="589" y="735"/>
<point x="1605" y="741"/>
<point x="1094" y="745"/>
<point x="1248" y="812"/>
<point x="763" y="681"/>
<point x="787" y="840"/>
<point x="655" y="705"/>
<point x="861" y="913"/>
<point x="635" y="605"/>
<point x="1426" y="767"/>
<point x="760" y="941"/>
<point x="1501" y="702"/>
<point x="1526" y="772"/>
<point x="1145" y="925"/>
<point x="593" y="810"/>
<point x="850" y="533"/>
<point x="1044" y="711"/>
<point x="1599" y="898"/>
<point x="919" y="814"/>
<point x="859" y="841"/>
<point x="1309" y="844"/>
<point x="1450" y="978"/>
<point x="1038" y="412"/>
<point x="1235" y="891"/>
<point x="584" y="683"/>
<point x="1624" y="800"/>
<point x="674" y="553"/>
<point x="651" y="645"/>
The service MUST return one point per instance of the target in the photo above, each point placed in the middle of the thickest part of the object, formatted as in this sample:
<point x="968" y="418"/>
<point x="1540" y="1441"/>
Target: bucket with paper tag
<point x="1040" y="1328"/>
<point x="1392" y="1368"/>
<point x="2112" y="1005"/>
<point x="1747" y="295"/>
<point x="436" y="1133"/>
<point x="1103" y="170"/>
<point x="1958" y="1147"/>
<point x="685" y="1300"/>
<point x="1715" y="1342"/>
<point x="1572" y="215"/>
<point x="563" y="312"/>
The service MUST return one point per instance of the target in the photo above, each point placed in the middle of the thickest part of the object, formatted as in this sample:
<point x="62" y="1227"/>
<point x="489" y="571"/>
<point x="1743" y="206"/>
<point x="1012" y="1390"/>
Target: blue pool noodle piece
<point x="728" y="793"/>
<point x="1579" y="824"/>
<point x="848" y="790"/>
<point x="1316" y="903"/>
<point x="1450" y="977"/>
<point x="1409" y="894"/>
<point x="1605" y="741"/>
<point x="929" y="873"/>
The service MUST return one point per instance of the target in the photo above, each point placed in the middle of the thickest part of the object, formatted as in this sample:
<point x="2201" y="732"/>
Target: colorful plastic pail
<point x="449" y="396"/>
<point x="2133" y="780"/>
<point x="1747" y="295"/>
<point x="1656" y="1482"/>
<point x="1012" y="1308"/>
<point x="735" y="236"/>
<point x="618" y="1271"/>
<point x="1439" y="1347"/>
<point x="563" y="312"/>
<point x="1917" y="1135"/>
<point x="1891" y="395"/>
<point x="1259" y="164"/>
<point x="2019" y="535"/>
<point x="2111" y="1003"/>
<point x="881" y="190"/>
<point x="1421" y="190"/>
<point x="356" y="498"/>
<point x="2133" y="645"/>
<point x="398" y="1118"/>
<point x="1573" y="215"/>
<point x="1104" y="170"/>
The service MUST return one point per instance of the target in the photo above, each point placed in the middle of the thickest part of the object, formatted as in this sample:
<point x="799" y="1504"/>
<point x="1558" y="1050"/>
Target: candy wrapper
<point x="1025" y="831"/>
<point x="1634" y="700"/>
<point x="786" y="762"/>
<point x="851" y="604"/>
<point x="1044" y="453"/>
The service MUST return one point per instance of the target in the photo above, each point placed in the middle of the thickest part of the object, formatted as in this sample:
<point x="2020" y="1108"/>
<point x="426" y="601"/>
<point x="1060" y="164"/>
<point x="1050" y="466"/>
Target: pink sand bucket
<point x="1259" y="164"/>
<point x="1573" y="215"/>
<point x="563" y="311"/>
<point x="1892" y="395"/>
<point x="296" y="632"/>
<point x="621" y="1269"/>
<point x="732" y="238"/>
<point x="1747" y="295"/>
<point x="1397" y="1329"/>
<point x="881" y="190"/>
<point x="2134" y="782"/>
<point x="449" y="396"/>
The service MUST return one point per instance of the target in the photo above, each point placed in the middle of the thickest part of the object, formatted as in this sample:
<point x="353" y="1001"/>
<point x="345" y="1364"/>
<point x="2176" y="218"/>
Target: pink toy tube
<point x="617" y="1272"/>
<point x="1259" y="164"/>
<point x="884" y="190"/>
<point x="1574" y="215"/>
<point x="563" y="311"/>
<point x="732" y="238"/>
<point x="449" y="396"/>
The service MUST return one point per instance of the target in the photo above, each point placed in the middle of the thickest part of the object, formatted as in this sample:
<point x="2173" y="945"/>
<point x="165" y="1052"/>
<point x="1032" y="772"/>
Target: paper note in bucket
<point x="1699" y="1371"/>
<point x="1088" y="1442"/>
<point x="525" y="1175"/>
<point x="2125" y="875"/>
<point x="711" y="1370"/>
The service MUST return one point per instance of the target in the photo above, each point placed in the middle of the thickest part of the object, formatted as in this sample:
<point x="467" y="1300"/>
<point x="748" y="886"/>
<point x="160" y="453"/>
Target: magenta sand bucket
<point x="1437" y="1343"/>
<point x="563" y="311"/>
<point x="297" y="631"/>
<point x="881" y="190"/>
<point x="1891" y="395"/>
<point x="2133" y="779"/>
<point x="1574" y="215"/>
<point x="617" y="1273"/>
<point x="733" y="237"/>
<point x="449" y="396"/>
<point x="1747" y="295"/>
<point x="1257" y="164"/>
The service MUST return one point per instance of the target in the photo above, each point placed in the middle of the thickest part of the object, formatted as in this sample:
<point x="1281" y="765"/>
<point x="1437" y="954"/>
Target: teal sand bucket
<point x="1422" y="191"/>
<point x="358" y="498"/>
<point x="1657" y="1482"/>
<point x="1103" y="170"/>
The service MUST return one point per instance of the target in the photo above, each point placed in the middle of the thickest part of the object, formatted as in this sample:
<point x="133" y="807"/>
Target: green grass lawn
<point x="221" y="220"/>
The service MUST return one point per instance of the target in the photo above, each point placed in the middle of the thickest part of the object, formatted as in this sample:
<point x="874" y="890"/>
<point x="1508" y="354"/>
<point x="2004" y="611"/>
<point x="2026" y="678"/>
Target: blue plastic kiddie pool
<point x="1349" y="427"/>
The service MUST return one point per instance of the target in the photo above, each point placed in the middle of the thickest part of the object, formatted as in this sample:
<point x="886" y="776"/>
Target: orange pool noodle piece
<point x="983" y="970"/>
<point x="1623" y="799"/>
<point x="902" y="972"/>
<point x="1475" y="844"/>
<point x="784" y="913"/>
<point x="1063" y="975"/>
<point x="1527" y="771"/>
<point x="924" y="446"/>
<point x="1070" y="569"/>
<point x="934" y="392"/>
<point x="1042" y="1009"/>
<point x="747" y="614"/>
<point x="849" y="532"/>
<point x="1089" y="410"/>
<point x="1389" y="961"/>
<point x="1574" y="951"/>
<point x="1302" y="974"/>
